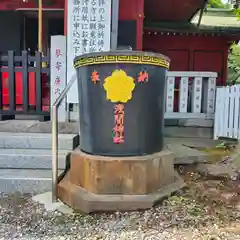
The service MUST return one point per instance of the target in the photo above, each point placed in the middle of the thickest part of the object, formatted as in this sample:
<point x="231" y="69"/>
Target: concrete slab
<point x="34" y="126"/>
<point x="197" y="143"/>
<point x="16" y="125"/>
<point x="186" y="155"/>
<point x="46" y="200"/>
<point x="188" y="132"/>
<point x="224" y="171"/>
<point x="26" y="140"/>
<point x="30" y="158"/>
<point x="25" y="180"/>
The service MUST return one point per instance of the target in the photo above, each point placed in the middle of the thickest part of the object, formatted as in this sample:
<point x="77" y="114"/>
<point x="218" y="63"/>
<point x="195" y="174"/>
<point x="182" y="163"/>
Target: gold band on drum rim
<point x="134" y="59"/>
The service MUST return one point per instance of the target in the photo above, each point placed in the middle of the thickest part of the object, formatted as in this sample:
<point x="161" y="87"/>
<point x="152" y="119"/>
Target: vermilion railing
<point x="24" y="85"/>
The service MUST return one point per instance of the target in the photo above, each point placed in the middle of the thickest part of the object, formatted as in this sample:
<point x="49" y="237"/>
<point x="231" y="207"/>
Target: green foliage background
<point x="234" y="65"/>
<point x="234" y="60"/>
<point x="234" y="55"/>
<point x="217" y="4"/>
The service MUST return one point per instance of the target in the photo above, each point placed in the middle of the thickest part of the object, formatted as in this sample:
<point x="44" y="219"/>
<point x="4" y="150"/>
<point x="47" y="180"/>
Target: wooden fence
<point x="24" y="82"/>
<point x="190" y="95"/>
<point x="227" y="114"/>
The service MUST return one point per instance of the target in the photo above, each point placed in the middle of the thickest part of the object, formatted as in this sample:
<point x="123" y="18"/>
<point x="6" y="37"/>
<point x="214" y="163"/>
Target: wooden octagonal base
<point x="97" y="183"/>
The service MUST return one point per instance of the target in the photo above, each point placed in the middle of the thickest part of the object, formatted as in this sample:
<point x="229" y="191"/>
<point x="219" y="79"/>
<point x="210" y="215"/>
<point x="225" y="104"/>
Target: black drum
<point x="122" y="102"/>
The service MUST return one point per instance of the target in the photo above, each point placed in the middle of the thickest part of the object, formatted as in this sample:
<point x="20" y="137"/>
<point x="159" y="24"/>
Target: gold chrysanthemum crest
<point x="119" y="87"/>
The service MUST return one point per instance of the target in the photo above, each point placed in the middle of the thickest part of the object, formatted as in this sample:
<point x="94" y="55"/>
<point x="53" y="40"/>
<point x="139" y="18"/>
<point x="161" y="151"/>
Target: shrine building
<point x="195" y="40"/>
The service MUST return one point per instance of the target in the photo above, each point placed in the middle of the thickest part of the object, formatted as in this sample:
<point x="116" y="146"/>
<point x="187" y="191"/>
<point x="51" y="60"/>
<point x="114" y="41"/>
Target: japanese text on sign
<point x="89" y="29"/>
<point x="91" y="26"/>
<point x="183" y="94"/>
<point x="118" y="129"/>
<point x="170" y="94"/>
<point x="196" y="94"/>
<point x="211" y="95"/>
<point x="57" y="78"/>
<point x="58" y="71"/>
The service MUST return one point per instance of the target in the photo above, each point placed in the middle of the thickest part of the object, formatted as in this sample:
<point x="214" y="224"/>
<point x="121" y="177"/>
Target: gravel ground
<point x="208" y="210"/>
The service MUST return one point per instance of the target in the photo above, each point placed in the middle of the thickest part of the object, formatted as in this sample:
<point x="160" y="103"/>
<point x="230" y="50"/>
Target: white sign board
<point x="58" y="71"/>
<point x="89" y="30"/>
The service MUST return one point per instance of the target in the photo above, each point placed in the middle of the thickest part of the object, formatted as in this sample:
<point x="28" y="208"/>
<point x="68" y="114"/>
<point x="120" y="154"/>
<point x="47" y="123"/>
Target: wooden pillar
<point x="140" y="18"/>
<point x="65" y="16"/>
<point x="40" y="25"/>
<point x="45" y="34"/>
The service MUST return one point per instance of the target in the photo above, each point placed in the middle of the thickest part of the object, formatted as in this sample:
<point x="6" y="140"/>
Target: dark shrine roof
<point x="214" y="21"/>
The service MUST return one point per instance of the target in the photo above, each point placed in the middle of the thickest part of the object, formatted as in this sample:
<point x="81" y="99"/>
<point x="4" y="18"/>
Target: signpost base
<point x="96" y="183"/>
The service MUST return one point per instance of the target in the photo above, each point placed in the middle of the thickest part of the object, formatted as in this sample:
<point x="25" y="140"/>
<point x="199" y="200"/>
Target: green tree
<point x="234" y="64"/>
<point x="237" y="11"/>
<point x="217" y="4"/>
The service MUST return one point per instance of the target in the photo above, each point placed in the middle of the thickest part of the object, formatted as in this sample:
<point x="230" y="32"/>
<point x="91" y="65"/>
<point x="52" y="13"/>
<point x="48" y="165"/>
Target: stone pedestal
<point x="97" y="183"/>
